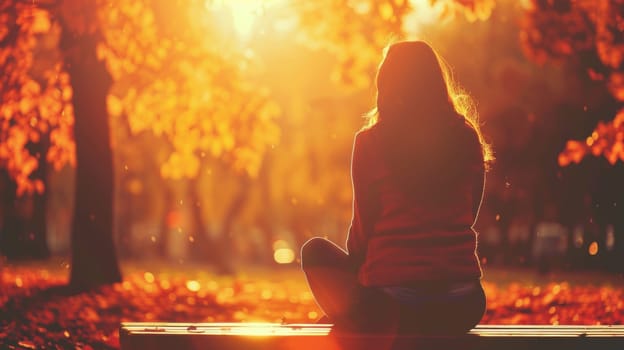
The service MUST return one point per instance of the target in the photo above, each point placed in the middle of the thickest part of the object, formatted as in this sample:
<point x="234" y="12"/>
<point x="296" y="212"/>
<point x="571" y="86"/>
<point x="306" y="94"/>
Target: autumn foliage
<point x="357" y="31"/>
<point x="191" y="84"/>
<point x="606" y="141"/>
<point x="187" y="82"/>
<point x="32" y="317"/>
<point x="35" y="97"/>
<point x="191" y="102"/>
<point x="182" y="80"/>
<point x="589" y="33"/>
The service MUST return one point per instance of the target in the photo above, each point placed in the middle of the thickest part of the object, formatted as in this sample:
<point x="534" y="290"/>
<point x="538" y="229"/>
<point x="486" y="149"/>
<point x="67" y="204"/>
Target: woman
<point x="418" y="175"/>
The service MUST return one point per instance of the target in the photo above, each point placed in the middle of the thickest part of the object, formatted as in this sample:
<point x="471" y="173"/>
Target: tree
<point x="35" y="125"/>
<point x="587" y="33"/>
<point x="94" y="261"/>
<point x="164" y="79"/>
<point x="31" y="113"/>
<point x="357" y="31"/>
<point x="190" y="84"/>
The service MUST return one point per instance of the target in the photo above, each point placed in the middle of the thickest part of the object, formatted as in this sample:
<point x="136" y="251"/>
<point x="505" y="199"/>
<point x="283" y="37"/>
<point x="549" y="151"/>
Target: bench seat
<point x="243" y="336"/>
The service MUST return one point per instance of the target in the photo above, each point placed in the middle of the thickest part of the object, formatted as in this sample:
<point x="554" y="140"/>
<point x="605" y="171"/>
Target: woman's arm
<point x="478" y="181"/>
<point x="356" y="242"/>
<point x="477" y="192"/>
<point x="356" y="239"/>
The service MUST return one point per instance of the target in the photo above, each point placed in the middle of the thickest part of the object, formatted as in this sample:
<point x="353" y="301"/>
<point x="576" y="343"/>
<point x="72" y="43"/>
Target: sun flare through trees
<point x="220" y="132"/>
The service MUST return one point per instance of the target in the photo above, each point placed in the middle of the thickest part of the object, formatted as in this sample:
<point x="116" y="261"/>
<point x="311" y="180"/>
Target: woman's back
<point x="417" y="217"/>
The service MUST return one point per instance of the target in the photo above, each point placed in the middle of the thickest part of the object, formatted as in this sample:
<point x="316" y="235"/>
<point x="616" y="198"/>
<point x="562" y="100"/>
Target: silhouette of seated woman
<point x="418" y="171"/>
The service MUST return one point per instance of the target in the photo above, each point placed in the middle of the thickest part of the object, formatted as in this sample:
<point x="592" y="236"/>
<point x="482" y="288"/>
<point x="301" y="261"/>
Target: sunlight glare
<point x="244" y="13"/>
<point x="193" y="285"/>
<point x="279" y="244"/>
<point x="423" y="13"/>
<point x="272" y="329"/>
<point x="284" y="256"/>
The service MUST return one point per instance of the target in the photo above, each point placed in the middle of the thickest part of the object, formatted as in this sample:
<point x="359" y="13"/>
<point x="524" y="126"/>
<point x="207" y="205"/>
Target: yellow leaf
<point x="113" y="103"/>
<point x="39" y="186"/>
<point x="41" y="21"/>
<point x="26" y="105"/>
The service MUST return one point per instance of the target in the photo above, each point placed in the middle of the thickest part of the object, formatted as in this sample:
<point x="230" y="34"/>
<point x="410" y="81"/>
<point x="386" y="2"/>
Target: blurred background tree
<point x="587" y="37"/>
<point x="35" y="129"/>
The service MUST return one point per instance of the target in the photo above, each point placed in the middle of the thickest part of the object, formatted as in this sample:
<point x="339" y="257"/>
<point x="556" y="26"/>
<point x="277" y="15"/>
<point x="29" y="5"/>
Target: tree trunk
<point x="231" y="215"/>
<point x="37" y="228"/>
<point x="265" y="219"/>
<point x="124" y="221"/>
<point x="94" y="261"/>
<point x="10" y="223"/>
<point x="162" y="246"/>
<point x="23" y="222"/>
<point x="207" y="248"/>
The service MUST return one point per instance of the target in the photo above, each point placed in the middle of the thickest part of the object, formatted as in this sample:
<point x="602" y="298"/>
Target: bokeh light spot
<point x="593" y="248"/>
<point x="284" y="256"/>
<point x="148" y="277"/>
<point x="193" y="285"/>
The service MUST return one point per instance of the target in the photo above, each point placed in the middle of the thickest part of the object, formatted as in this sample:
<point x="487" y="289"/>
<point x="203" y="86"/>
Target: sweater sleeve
<point x="477" y="192"/>
<point x="357" y="239"/>
<point x="478" y="178"/>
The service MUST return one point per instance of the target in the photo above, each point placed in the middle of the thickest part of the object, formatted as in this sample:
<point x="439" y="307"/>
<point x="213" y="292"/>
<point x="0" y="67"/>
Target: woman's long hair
<point x="424" y="119"/>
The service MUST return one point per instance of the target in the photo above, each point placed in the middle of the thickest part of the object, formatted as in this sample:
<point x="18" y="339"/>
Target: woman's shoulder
<point x="466" y="133"/>
<point x="470" y="141"/>
<point x="366" y="131"/>
<point x="366" y="136"/>
<point x="367" y="144"/>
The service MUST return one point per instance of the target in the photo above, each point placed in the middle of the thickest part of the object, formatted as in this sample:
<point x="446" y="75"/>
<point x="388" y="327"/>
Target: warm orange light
<point x="284" y="256"/>
<point x="424" y="13"/>
<point x="593" y="248"/>
<point x="149" y="277"/>
<point x="193" y="285"/>
<point x="173" y="218"/>
<point x="271" y="329"/>
<point x="279" y="244"/>
<point x="244" y="13"/>
<point x="165" y="284"/>
<point x="135" y="186"/>
<point x="589" y="141"/>
<point x="266" y="294"/>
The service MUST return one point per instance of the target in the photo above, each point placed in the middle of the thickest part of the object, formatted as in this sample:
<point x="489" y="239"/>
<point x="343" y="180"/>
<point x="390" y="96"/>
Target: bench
<point x="247" y="336"/>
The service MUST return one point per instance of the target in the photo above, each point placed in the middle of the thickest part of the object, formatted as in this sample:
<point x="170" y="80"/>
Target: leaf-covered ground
<point x="35" y="313"/>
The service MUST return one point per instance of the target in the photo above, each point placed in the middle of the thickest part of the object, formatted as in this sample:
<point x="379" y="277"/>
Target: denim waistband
<point x="419" y="293"/>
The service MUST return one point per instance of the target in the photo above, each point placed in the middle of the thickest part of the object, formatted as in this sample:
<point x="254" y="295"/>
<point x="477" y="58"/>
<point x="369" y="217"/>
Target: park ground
<point x="36" y="312"/>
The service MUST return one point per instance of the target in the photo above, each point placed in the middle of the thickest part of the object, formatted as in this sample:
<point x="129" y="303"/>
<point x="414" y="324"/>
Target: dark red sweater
<point x="396" y="239"/>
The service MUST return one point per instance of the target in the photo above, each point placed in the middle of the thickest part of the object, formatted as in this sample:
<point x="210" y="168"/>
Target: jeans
<point x="397" y="309"/>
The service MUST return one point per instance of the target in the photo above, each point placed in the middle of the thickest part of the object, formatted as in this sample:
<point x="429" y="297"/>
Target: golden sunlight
<point x="244" y="13"/>
<point x="265" y="329"/>
<point x="193" y="285"/>
<point x="423" y="13"/>
<point x="284" y="256"/>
